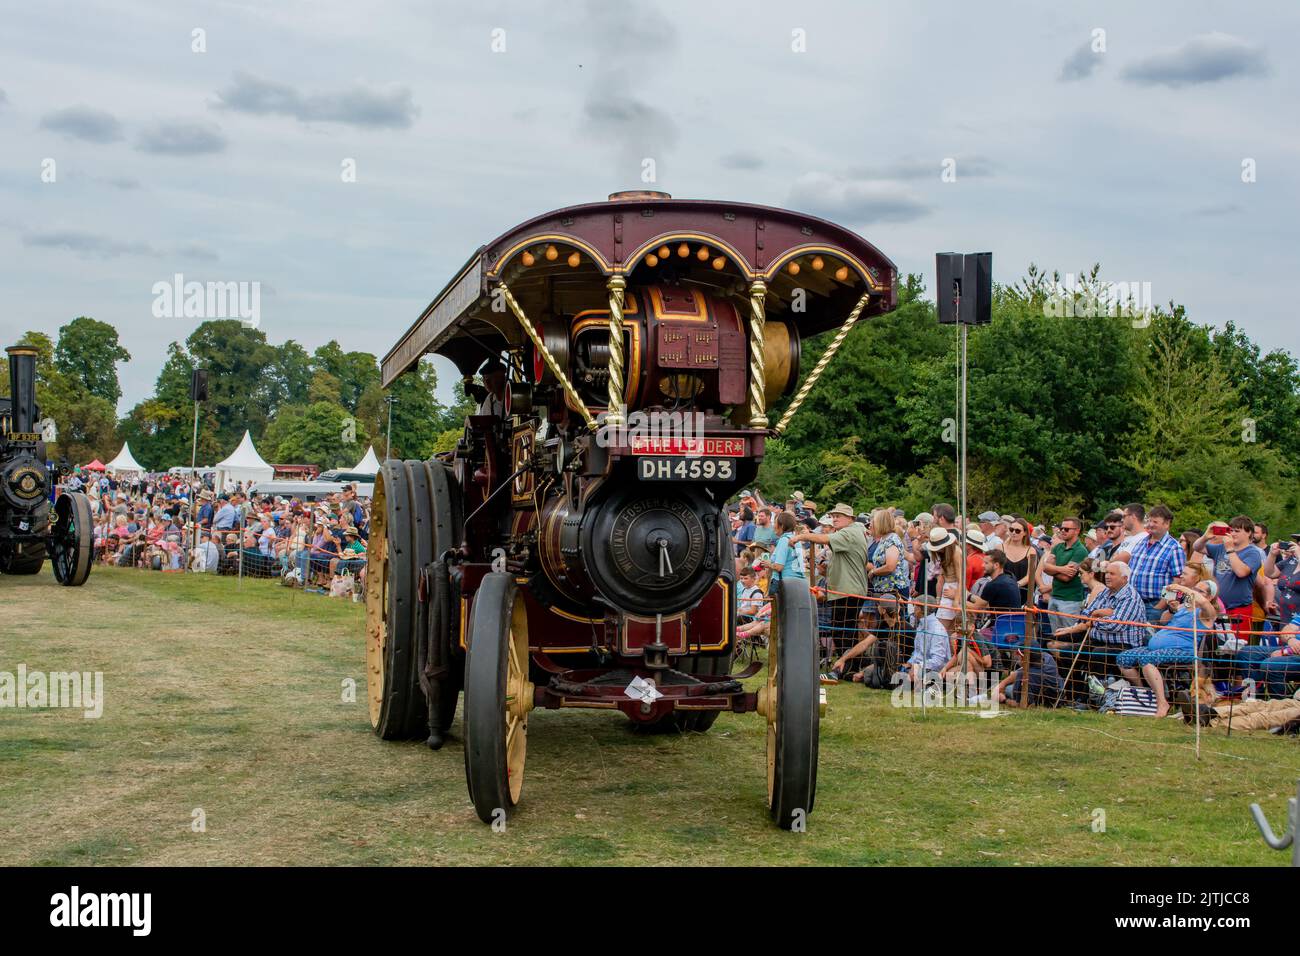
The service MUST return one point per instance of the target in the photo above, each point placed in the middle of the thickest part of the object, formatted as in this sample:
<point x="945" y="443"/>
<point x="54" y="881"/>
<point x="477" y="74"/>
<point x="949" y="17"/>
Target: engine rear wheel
<point x="498" y="698"/>
<point x="29" y="562"/>
<point x="72" y="541"/>
<point x="397" y="705"/>
<point x="441" y="665"/>
<point x="791" y="702"/>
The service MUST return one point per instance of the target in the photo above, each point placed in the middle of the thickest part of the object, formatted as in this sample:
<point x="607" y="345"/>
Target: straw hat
<point x="940" y="538"/>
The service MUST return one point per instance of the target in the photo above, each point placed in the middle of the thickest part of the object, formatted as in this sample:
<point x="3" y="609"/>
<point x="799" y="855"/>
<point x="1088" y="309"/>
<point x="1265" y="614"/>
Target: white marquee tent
<point x="244" y="464"/>
<point x="124" y="462"/>
<point x="369" y="465"/>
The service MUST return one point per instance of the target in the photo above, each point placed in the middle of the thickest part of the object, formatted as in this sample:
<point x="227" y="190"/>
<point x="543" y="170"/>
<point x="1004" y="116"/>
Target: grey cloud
<point x="197" y="251"/>
<point x="86" y="244"/>
<point x="84" y="122"/>
<point x="357" y="106"/>
<point x="612" y="111"/>
<point x="1080" y="64"/>
<point x="1208" y="58"/>
<point x="857" y="201"/>
<point x="742" y="159"/>
<point x="912" y="168"/>
<point x="181" y="138"/>
<point x="1221" y="209"/>
<point x="4" y="98"/>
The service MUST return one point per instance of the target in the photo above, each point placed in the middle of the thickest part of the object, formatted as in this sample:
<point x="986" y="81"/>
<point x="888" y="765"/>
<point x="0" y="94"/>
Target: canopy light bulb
<point x="842" y="273"/>
<point x="664" y="252"/>
<point x="574" y="259"/>
<point x="683" y="250"/>
<point x="793" y="269"/>
<point x="552" y="253"/>
<point x="703" y="253"/>
<point x="719" y="262"/>
<point x="817" y="263"/>
<point x="528" y="258"/>
<point x="652" y="260"/>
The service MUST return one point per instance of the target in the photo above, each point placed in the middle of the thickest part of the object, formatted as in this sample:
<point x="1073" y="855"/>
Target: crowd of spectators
<point x="168" y="522"/>
<point x="1107" y="604"/>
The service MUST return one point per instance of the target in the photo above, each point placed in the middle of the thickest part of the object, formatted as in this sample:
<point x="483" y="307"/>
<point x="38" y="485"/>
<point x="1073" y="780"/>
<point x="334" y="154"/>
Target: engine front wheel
<point x="498" y="698"/>
<point x="72" y="542"/>
<point x="791" y="702"/>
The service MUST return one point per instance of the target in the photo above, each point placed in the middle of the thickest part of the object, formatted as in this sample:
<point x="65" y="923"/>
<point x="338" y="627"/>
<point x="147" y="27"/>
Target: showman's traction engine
<point x="30" y="527"/>
<point x="572" y="551"/>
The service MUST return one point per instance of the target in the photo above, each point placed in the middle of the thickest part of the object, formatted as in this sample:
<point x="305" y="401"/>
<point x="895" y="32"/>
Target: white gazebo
<point x="368" y="465"/>
<point x="124" y="462"/>
<point x="244" y="464"/>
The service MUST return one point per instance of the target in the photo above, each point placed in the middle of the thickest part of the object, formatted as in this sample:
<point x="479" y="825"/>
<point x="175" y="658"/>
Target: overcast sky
<point x="227" y="165"/>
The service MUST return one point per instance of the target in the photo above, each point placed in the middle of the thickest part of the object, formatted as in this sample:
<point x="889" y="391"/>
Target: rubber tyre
<point x="491" y="788"/>
<point x="398" y="710"/>
<point x="793" y="787"/>
<point x="72" y="540"/>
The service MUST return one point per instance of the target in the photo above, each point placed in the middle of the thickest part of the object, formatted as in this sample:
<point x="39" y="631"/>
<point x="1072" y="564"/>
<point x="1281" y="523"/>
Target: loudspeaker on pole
<point x="964" y="292"/>
<point x="199" y="385"/>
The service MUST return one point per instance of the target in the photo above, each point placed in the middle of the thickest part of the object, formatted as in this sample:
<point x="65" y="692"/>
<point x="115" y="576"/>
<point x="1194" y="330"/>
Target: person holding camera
<point x="1236" y="562"/>
<point x="1282" y="566"/>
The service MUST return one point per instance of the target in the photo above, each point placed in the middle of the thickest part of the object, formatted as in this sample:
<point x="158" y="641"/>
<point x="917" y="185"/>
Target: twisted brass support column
<point x="570" y="392"/>
<point x="823" y="362"/>
<point x="757" y="375"/>
<point x="617" y="289"/>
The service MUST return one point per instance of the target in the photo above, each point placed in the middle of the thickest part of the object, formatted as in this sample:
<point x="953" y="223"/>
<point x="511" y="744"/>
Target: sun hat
<point x="976" y="537"/>
<point x="923" y="518"/>
<point x="842" y="509"/>
<point x="824" y="519"/>
<point x="940" y="538"/>
<point x="798" y="496"/>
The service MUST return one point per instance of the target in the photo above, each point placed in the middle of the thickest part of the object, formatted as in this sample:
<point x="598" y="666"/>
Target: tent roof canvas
<point x="95" y="465"/>
<point x="245" y="456"/>
<point x="244" y="464"/>
<point x="124" y="461"/>
<point x="369" y="464"/>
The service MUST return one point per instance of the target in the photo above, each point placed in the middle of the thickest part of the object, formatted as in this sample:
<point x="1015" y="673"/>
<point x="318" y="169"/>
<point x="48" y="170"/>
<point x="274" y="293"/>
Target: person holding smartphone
<point x="1282" y="566"/>
<point x="1236" y="562"/>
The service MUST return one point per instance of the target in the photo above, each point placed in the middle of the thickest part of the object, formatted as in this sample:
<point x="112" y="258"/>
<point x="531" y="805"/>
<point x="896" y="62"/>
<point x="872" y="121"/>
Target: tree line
<point x="1067" y="415"/>
<point x="322" y="407"/>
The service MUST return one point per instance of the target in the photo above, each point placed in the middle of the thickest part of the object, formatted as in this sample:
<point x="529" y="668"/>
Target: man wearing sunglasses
<point x="1110" y="532"/>
<point x="1061" y="563"/>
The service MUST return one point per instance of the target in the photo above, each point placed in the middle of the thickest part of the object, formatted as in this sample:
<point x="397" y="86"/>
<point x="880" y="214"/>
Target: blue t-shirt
<point x="745" y="534"/>
<point x="789" y="557"/>
<point x="1235" y="591"/>
<point x="1177" y="633"/>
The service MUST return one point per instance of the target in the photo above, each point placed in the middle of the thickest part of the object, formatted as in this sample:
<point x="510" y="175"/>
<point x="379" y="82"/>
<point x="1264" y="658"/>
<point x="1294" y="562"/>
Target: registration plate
<point x="686" y="469"/>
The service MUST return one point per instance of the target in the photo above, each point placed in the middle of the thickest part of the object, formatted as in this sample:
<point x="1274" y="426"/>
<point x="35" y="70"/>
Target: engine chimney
<point x="22" y="388"/>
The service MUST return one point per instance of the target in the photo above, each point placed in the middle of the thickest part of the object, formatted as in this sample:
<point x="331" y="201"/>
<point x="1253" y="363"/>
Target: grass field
<point x="229" y="699"/>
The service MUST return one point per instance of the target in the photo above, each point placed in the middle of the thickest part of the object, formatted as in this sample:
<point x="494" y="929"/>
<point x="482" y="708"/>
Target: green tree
<point x="88" y="351"/>
<point x="319" y="435"/>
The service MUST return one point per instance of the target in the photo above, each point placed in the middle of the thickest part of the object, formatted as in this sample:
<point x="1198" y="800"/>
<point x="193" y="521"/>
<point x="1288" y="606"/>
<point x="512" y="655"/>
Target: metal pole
<point x="388" y="446"/>
<point x="961" y="493"/>
<point x="194" y="495"/>
<point x="240" y="581"/>
<point x="1193" y="701"/>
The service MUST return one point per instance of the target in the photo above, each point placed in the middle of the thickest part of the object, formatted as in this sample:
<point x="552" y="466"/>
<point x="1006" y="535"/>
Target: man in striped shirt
<point x="1156" y="561"/>
<point x="1117" y="611"/>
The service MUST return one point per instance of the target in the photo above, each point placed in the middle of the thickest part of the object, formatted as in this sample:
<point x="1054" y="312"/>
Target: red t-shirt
<point x="974" y="569"/>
